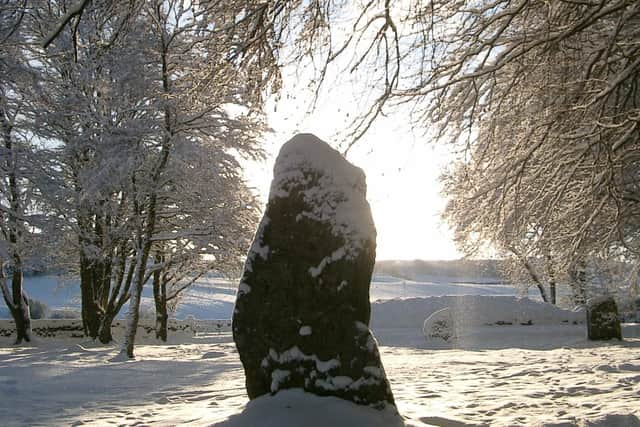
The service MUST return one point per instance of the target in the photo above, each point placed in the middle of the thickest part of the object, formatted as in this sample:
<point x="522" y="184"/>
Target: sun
<point x="403" y="189"/>
<point x="405" y="196"/>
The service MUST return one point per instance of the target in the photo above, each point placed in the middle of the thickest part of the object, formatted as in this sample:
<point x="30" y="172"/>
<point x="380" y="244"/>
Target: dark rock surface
<point x="302" y="311"/>
<point x="603" y="320"/>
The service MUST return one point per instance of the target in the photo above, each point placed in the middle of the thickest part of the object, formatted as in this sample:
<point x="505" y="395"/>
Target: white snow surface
<point x="339" y="196"/>
<point x="296" y="408"/>
<point x="200" y="382"/>
<point x="470" y="311"/>
<point x="258" y="248"/>
<point x="546" y="374"/>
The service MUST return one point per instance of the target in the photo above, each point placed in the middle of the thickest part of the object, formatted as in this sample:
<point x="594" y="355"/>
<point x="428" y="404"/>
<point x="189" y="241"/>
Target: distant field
<point x="213" y="297"/>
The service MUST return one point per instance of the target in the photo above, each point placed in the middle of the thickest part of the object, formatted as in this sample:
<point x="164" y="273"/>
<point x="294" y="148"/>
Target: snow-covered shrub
<point x="470" y="311"/>
<point x="39" y="310"/>
<point x="440" y="325"/>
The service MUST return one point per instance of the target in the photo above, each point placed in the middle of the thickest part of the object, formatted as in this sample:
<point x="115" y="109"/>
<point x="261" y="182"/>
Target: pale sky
<point x="402" y="169"/>
<point x="402" y="181"/>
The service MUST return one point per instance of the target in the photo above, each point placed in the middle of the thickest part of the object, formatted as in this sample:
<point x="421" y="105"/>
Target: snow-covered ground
<point x="492" y="381"/>
<point x="388" y="287"/>
<point x="545" y="373"/>
<point x="213" y="297"/>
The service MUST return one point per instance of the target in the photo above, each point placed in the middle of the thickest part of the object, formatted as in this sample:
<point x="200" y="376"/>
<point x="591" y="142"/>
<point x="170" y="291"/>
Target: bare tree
<point x="206" y="107"/>
<point x="540" y="97"/>
<point x="21" y="219"/>
<point x="136" y="100"/>
<point x="207" y="219"/>
<point x="91" y="108"/>
<point x="13" y="225"/>
<point x="548" y="171"/>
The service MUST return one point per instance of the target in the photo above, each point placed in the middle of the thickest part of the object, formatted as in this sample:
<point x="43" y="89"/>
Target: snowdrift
<point x="401" y="313"/>
<point x="297" y="408"/>
<point x="470" y="311"/>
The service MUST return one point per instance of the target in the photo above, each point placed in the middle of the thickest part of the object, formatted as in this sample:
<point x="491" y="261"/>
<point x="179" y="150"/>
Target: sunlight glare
<point x="402" y="171"/>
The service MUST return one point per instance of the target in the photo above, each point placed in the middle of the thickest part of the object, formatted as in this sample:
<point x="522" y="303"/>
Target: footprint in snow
<point x="606" y="368"/>
<point x="629" y="367"/>
<point x="199" y="398"/>
<point x="213" y="354"/>
<point x="444" y="422"/>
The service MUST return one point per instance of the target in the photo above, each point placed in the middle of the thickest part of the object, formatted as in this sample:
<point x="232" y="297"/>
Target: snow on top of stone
<point x="339" y="196"/>
<point x="294" y="353"/>
<point x="593" y="301"/>
<point x="258" y="248"/>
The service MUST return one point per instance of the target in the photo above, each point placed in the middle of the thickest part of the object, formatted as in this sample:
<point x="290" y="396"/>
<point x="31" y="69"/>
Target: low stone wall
<point x="72" y="328"/>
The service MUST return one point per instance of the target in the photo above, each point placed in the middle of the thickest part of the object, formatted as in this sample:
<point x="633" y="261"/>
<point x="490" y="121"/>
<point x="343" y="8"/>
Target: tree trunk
<point x="20" y="309"/>
<point x="134" y="308"/>
<point x="90" y="318"/>
<point x="139" y="280"/>
<point x="103" y="265"/>
<point x="18" y="304"/>
<point x="162" y="319"/>
<point x="105" y="335"/>
<point x="160" y="297"/>
<point x="578" y="277"/>
<point x="22" y="318"/>
<point x="532" y="273"/>
<point x="552" y="280"/>
<point x="145" y="235"/>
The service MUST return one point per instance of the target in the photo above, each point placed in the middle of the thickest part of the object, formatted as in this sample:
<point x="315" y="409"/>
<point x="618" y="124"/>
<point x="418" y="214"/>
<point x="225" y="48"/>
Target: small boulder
<point x="440" y="325"/>
<point x="301" y="318"/>
<point x="603" y="321"/>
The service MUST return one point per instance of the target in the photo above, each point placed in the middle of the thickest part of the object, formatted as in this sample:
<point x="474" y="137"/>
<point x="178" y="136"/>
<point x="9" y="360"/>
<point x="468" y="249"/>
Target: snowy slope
<point x="209" y="298"/>
<point x="213" y="297"/>
<point x="387" y="287"/>
<point x="470" y="310"/>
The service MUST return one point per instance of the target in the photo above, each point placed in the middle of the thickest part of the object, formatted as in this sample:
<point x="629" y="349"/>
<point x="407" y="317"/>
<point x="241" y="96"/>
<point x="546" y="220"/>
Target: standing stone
<point x="302" y="309"/>
<point x="603" y="321"/>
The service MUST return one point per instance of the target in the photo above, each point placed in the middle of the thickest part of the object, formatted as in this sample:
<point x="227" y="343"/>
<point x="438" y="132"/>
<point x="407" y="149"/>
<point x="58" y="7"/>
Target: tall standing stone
<point x="302" y="310"/>
<point x="603" y="321"/>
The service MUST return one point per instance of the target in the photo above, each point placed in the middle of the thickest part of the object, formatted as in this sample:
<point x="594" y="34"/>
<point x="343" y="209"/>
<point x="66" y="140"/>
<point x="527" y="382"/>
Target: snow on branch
<point x="71" y="13"/>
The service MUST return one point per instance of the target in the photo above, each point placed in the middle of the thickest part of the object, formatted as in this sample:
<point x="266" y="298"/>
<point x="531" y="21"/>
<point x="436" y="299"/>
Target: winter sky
<point x="402" y="170"/>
